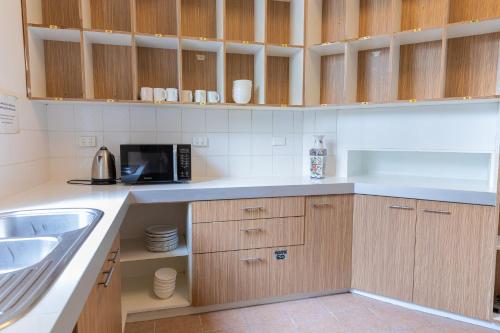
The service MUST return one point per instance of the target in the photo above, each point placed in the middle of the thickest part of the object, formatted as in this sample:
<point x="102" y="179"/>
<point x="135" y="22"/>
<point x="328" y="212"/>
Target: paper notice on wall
<point x="9" y="120"/>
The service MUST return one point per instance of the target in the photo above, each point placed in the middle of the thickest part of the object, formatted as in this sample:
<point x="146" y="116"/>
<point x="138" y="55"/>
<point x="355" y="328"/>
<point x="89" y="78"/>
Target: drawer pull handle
<point x="401" y="207"/>
<point x="253" y="209"/>
<point x="248" y="260"/>
<point x="115" y="256"/>
<point x="432" y="211"/>
<point x="322" y="205"/>
<point x="109" y="275"/>
<point x="252" y="230"/>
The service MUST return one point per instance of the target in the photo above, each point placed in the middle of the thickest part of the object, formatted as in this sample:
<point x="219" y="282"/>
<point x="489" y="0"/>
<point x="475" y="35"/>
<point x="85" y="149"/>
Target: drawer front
<point x="247" y="234"/>
<point x="247" y="209"/>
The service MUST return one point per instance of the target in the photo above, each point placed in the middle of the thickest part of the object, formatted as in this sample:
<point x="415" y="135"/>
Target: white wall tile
<point x="88" y="118"/>
<point x="61" y="117"/>
<point x="218" y="144"/>
<point x="32" y="116"/>
<point x="169" y="120"/>
<point x="298" y="121"/>
<point x="143" y="137"/>
<point x="116" y="118"/>
<point x="63" y="168"/>
<point x="217" y="166"/>
<point x="142" y="118"/>
<point x="199" y="167"/>
<point x="262" y="144"/>
<point x="193" y="120"/>
<point x="168" y="137"/>
<point x="240" y="166"/>
<point x="309" y="121"/>
<point x="217" y="120"/>
<point x="262" y="121"/>
<point x="283" y="121"/>
<point x="240" y="121"/>
<point x="62" y="144"/>
<point x="283" y="166"/>
<point x="288" y="148"/>
<point x="113" y="140"/>
<point x="326" y="121"/>
<point x="240" y="143"/>
<point x="262" y="166"/>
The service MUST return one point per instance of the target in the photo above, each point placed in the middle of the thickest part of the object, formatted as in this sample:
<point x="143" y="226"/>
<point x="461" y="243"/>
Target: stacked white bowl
<point x="161" y="238"/>
<point x="164" y="282"/>
<point x="242" y="91"/>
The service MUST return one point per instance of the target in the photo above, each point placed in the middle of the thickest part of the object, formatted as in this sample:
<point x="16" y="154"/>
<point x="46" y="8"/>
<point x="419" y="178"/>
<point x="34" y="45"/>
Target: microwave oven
<point x="155" y="164"/>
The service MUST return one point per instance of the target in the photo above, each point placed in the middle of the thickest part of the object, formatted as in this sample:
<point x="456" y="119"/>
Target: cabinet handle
<point x="252" y="230"/>
<point x="115" y="256"/>
<point x="432" y="211"/>
<point x="322" y="205"/>
<point x="401" y="207"/>
<point x="252" y="209"/>
<point x="109" y="275"/>
<point x="255" y="259"/>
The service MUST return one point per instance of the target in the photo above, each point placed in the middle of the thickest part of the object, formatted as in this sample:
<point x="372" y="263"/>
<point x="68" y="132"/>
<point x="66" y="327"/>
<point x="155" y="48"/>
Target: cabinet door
<point x="286" y="271"/>
<point x="253" y="274"/>
<point x="328" y="240"/>
<point x="455" y="258"/>
<point x="384" y="246"/>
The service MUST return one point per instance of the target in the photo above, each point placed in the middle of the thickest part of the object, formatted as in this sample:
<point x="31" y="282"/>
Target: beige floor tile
<point x="140" y="327"/>
<point x="222" y="320"/>
<point x="274" y="314"/>
<point x="272" y="328"/>
<point x="311" y="306"/>
<point x="242" y="329"/>
<point x="184" y="324"/>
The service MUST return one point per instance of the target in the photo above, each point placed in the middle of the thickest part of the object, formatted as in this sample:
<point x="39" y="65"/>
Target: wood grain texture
<point x="199" y="18"/>
<point x="63" y="69"/>
<point x="472" y="66"/>
<point x="112" y="72"/>
<point x="253" y="275"/>
<point x="375" y="17"/>
<point x="239" y="20"/>
<point x="287" y="277"/>
<point x="278" y="22"/>
<point x="332" y="79"/>
<point x="278" y="80"/>
<point x="455" y="258"/>
<point x="273" y="232"/>
<point x="247" y="209"/>
<point x="423" y="14"/>
<point x="63" y="13"/>
<point x="156" y="16"/>
<point x="465" y="10"/>
<point x="373" y="75"/>
<point x="328" y="240"/>
<point x="238" y="67"/>
<point x="199" y="74"/>
<point x="383" y="246"/>
<point x="110" y="15"/>
<point x="333" y="20"/>
<point x="157" y="68"/>
<point x="216" y="236"/>
<point x="419" y="71"/>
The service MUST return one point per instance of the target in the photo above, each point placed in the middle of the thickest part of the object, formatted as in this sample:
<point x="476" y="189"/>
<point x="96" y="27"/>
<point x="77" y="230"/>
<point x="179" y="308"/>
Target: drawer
<point x="247" y="234"/>
<point x="247" y="209"/>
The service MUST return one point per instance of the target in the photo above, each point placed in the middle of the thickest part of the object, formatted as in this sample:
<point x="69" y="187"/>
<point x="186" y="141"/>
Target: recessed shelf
<point x="422" y="14"/>
<point x="373" y="75"/>
<point x="244" y="20"/>
<point x="157" y="67"/>
<point x="375" y="17"/>
<point x="107" y="15"/>
<point x="282" y="22"/>
<point x="134" y="250"/>
<point x="466" y="10"/>
<point x="201" y="18"/>
<point x="332" y="79"/>
<point x="61" y="13"/>
<point x="156" y="16"/>
<point x="333" y="20"/>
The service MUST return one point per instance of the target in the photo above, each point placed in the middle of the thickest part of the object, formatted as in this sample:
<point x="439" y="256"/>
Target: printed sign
<point x="9" y="122"/>
<point x="281" y="254"/>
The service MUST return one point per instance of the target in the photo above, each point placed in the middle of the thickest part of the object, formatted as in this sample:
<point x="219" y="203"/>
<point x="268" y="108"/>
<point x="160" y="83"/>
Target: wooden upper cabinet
<point x="383" y="246"/>
<point x="455" y="258"/>
<point x="328" y="239"/>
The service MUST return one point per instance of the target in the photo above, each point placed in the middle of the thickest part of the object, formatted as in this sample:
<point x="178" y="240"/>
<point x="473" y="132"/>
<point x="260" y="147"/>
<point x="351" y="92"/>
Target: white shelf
<point x="108" y="38"/>
<point x="160" y="42"/>
<point x="61" y="35"/>
<point x="416" y="37"/>
<point x="138" y="296"/>
<point x="467" y="29"/>
<point x="134" y="250"/>
<point x="329" y="48"/>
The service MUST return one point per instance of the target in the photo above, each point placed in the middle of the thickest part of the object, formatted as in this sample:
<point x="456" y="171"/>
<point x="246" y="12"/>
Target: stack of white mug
<point x="242" y="91"/>
<point x="200" y="96"/>
<point x="159" y="95"/>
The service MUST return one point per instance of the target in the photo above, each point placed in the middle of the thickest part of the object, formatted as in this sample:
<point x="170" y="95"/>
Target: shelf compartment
<point x="472" y="66"/>
<point x="156" y="16"/>
<point x="245" y="62"/>
<point x="467" y="10"/>
<point x="420" y="71"/>
<point x="284" y="22"/>
<point x="333" y="20"/>
<point x="332" y="79"/>
<point x="157" y="64"/>
<point x="284" y="69"/>
<point x="61" y="13"/>
<point x="112" y="15"/>
<point x="244" y="20"/>
<point x="55" y="63"/>
<point x="202" y="18"/>
<point x="134" y="250"/>
<point x="375" y="17"/>
<point x="373" y="75"/>
<point x="423" y="14"/>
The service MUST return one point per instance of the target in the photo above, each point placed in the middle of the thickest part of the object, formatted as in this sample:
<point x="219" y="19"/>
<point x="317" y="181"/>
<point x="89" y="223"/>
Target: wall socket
<point x="200" y="141"/>
<point x="88" y="141"/>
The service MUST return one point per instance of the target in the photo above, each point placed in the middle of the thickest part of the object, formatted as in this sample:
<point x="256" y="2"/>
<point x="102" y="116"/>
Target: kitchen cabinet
<point x="383" y="246"/>
<point x="102" y="311"/>
<point x="455" y="257"/>
<point x="328" y="240"/>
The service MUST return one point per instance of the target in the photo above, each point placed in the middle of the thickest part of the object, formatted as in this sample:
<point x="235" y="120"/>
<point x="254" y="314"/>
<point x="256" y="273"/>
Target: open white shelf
<point x="138" y="296"/>
<point x="134" y="250"/>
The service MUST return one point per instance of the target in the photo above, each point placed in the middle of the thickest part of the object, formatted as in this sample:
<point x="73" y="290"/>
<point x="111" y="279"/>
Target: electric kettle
<point x="104" y="168"/>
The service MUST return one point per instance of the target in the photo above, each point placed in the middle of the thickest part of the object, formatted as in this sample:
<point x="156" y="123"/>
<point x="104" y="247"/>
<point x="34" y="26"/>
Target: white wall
<point x="23" y="156"/>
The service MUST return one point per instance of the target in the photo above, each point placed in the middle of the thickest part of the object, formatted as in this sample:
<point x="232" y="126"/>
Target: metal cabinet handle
<point x="252" y="230"/>
<point x="115" y="256"/>
<point x="322" y="205"/>
<point x="252" y="209"/>
<point x="255" y="259"/>
<point x="109" y="276"/>
<point x="432" y="211"/>
<point x="401" y="207"/>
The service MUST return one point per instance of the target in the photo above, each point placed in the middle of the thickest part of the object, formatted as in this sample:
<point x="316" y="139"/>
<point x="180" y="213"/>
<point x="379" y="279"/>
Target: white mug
<point x="160" y="95"/>
<point x="200" y="96"/>
<point x="213" y="97"/>
<point x="172" y="95"/>
<point x="147" y="94"/>
<point x="186" y="96"/>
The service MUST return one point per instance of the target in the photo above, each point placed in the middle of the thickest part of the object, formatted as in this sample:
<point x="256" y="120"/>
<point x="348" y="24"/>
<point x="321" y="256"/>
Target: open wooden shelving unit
<point x="113" y="48"/>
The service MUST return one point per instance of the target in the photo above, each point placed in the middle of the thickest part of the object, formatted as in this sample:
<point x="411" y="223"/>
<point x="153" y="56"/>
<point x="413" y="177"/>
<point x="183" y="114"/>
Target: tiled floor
<point x="346" y="313"/>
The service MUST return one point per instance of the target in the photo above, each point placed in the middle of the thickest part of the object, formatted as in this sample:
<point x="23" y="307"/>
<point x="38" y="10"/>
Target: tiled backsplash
<point x="240" y="142"/>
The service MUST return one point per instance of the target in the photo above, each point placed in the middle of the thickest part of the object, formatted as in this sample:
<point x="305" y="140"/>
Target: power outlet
<point x="200" y="141"/>
<point x="88" y="141"/>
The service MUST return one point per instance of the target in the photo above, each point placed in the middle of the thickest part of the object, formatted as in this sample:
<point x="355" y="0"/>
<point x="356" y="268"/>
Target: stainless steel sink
<point x="35" y="246"/>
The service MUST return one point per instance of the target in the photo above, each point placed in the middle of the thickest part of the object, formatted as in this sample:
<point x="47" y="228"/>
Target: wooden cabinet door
<point x="286" y="271"/>
<point x="328" y="239"/>
<point x="383" y="246"/>
<point x="102" y="311"/>
<point x="253" y="274"/>
<point x="455" y="258"/>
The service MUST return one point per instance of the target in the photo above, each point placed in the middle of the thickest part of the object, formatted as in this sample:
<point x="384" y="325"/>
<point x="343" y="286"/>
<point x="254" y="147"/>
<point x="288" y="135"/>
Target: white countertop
<point x="59" y="308"/>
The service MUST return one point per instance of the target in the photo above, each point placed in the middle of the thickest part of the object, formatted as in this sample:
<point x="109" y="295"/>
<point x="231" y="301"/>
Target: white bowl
<point x="242" y="82"/>
<point x="163" y="290"/>
<point x="164" y="283"/>
<point x="162" y="295"/>
<point x="166" y="273"/>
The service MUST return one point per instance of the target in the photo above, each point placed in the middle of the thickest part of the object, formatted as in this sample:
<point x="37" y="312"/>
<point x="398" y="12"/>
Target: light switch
<point x="88" y="141"/>
<point x="200" y="141"/>
<point x="279" y="140"/>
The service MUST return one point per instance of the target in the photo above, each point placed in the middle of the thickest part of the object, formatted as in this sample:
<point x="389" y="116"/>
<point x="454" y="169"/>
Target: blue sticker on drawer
<point x="281" y="254"/>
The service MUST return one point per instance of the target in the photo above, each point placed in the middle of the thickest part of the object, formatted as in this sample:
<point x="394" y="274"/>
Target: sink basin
<point x="19" y="253"/>
<point x="35" y="247"/>
<point x="44" y="222"/>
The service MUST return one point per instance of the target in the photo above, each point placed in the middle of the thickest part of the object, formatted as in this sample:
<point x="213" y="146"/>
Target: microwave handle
<point x="174" y="160"/>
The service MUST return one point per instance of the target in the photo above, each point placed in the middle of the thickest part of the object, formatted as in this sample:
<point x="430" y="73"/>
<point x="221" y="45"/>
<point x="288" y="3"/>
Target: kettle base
<point x="103" y="182"/>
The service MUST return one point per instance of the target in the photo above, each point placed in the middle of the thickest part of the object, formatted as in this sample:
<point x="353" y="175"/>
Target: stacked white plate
<point x="164" y="282"/>
<point x="161" y="238"/>
<point x="242" y="91"/>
